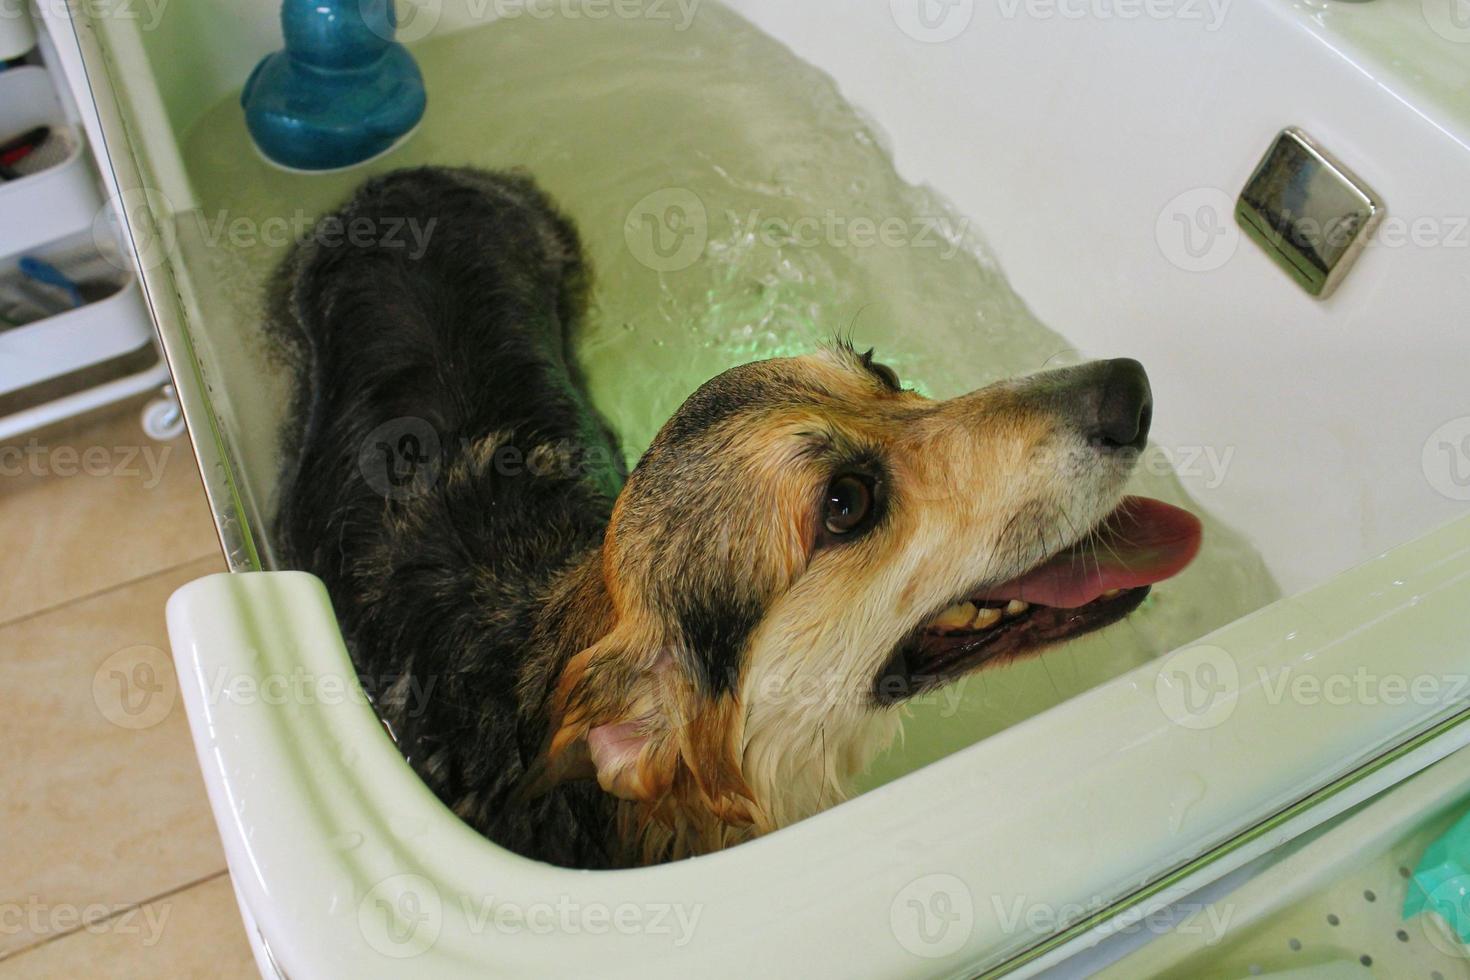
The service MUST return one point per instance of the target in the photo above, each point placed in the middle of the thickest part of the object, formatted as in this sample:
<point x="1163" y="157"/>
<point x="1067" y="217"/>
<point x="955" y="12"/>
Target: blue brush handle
<point x="44" y="272"/>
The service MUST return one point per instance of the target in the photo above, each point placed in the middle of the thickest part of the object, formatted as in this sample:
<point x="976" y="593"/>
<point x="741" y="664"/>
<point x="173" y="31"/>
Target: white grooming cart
<point x="75" y="334"/>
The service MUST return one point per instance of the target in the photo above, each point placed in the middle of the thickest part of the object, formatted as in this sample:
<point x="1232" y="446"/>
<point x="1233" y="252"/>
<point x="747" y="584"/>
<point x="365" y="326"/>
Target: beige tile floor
<point x="109" y="861"/>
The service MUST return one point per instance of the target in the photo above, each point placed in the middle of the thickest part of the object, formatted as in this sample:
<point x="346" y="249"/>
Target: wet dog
<point x="601" y="669"/>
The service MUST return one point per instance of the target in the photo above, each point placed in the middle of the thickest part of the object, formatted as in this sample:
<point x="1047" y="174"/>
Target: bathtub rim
<point x="147" y="182"/>
<point x="204" y="640"/>
<point x="1422" y="798"/>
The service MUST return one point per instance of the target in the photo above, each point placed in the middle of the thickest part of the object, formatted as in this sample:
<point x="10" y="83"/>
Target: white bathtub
<point x="1097" y="127"/>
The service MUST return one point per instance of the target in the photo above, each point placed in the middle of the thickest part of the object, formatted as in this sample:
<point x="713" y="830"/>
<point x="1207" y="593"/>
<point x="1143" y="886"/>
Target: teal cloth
<point x="1441" y="881"/>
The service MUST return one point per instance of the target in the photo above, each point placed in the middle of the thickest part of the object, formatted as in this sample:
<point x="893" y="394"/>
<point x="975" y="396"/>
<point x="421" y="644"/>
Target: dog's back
<point x="444" y="468"/>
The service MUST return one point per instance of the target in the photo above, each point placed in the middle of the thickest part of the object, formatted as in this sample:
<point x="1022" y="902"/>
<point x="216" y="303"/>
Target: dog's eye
<point x="849" y="503"/>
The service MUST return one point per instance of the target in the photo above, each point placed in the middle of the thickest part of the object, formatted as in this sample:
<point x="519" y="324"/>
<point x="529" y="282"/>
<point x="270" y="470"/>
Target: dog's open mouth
<point x="1082" y="588"/>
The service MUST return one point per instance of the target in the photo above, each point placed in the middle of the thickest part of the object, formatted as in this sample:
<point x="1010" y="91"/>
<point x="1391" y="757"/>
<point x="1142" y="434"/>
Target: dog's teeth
<point x="955" y="617"/>
<point x="986" y="618"/>
<point x="1111" y="593"/>
<point x="1015" y="607"/>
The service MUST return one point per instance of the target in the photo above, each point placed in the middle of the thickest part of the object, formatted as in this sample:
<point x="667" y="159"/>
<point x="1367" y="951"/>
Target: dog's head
<point x="807" y="544"/>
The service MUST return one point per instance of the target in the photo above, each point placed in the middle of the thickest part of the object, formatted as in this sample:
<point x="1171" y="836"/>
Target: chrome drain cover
<point x="1310" y="213"/>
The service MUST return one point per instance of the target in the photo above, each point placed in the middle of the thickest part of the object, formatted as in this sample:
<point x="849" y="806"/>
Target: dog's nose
<point x="1125" y="406"/>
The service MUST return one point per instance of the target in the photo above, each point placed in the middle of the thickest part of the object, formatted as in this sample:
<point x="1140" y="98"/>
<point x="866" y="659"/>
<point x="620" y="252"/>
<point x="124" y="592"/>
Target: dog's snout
<point x="1108" y="404"/>
<point x="1124" y="406"/>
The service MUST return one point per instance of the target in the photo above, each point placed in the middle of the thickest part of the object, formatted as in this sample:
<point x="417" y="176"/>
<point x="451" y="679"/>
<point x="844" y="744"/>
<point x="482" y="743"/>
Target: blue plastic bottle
<point x="343" y="91"/>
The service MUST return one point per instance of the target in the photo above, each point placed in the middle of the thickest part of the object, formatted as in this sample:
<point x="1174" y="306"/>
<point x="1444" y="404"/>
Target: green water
<point x="733" y="207"/>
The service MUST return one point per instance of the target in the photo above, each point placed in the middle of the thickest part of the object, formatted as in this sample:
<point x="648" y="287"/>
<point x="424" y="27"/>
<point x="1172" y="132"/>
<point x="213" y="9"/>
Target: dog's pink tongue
<point x="1142" y="542"/>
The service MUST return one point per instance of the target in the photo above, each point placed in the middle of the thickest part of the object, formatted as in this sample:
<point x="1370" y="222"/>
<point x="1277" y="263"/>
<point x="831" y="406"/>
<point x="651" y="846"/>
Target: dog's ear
<point x="639" y="724"/>
<point x="610" y="723"/>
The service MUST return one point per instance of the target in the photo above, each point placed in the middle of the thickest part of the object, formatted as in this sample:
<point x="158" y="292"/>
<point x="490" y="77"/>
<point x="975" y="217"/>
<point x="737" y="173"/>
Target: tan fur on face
<point x="719" y="534"/>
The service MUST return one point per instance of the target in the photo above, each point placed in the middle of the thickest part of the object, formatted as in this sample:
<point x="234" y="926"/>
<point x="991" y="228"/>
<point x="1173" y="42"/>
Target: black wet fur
<point x="437" y="559"/>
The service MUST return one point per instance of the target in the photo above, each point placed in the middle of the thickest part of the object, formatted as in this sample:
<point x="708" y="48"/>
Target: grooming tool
<point x="43" y="272"/>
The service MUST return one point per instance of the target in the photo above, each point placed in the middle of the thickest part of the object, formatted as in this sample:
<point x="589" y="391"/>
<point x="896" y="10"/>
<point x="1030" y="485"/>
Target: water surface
<point x="733" y="207"/>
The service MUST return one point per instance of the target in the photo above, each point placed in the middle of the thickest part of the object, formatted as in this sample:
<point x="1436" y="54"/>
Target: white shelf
<point x="17" y="32"/>
<point x="99" y="331"/>
<point x="58" y="366"/>
<point x="59" y="201"/>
